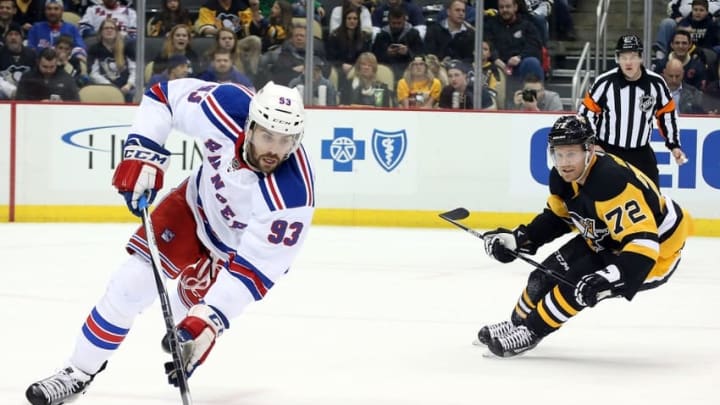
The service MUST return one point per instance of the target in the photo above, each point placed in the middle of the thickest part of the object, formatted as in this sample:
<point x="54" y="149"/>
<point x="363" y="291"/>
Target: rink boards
<point x="372" y="167"/>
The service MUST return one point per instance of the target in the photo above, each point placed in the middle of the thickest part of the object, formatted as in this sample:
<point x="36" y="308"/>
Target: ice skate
<point x="64" y="386"/>
<point x="519" y="340"/>
<point x="488" y="332"/>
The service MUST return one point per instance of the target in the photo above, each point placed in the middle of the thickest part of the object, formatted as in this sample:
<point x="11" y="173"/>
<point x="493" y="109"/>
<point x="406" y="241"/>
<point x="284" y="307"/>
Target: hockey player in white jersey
<point x="227" y="233"/>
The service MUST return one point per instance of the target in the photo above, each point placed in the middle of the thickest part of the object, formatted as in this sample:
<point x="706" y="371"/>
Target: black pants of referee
<point x="643" y="158"/>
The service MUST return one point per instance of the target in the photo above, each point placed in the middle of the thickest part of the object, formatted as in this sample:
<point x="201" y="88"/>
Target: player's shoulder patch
<point x="226" y="106"/>
<point x="233" y="100"/>
<point x="292" y="185"/>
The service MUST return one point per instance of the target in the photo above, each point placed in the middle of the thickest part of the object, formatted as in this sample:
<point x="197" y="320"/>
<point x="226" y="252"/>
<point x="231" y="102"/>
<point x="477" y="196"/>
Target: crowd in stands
<point x="381" y="53"/>
<point x="690" y="35"/>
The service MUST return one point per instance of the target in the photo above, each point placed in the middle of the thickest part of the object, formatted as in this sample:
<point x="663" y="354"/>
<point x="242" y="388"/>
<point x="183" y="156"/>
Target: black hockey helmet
<point x="629" y="43"/>
<point x="571" y="130"/>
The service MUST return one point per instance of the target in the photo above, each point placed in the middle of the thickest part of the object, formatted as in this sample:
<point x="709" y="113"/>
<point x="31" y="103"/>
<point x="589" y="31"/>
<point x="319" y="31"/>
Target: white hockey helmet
<point x="279" y="109"/>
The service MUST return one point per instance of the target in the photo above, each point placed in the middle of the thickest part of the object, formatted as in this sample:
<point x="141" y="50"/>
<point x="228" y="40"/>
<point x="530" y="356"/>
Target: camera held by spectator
<point x="529" y="95"/>
<point x="534" y="97"/>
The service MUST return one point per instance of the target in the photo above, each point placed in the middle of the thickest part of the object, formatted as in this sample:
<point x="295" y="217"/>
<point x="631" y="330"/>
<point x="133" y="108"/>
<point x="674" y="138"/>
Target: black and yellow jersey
<point x="214" y="14"/>
<point x="620" y="211"/>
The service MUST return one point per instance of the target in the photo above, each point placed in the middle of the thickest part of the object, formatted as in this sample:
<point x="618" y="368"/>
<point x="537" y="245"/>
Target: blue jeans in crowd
<point x="665" y="35"/>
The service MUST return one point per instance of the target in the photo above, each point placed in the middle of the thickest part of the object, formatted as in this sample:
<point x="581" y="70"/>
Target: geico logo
<point x="701" y="150"/>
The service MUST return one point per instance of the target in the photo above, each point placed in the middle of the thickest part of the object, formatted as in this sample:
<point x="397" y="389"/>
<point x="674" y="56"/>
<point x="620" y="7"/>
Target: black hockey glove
<point x="503" y="244"/>
<point x="597" y="286"/>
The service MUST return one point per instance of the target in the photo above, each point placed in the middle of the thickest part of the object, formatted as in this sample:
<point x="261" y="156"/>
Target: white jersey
<point x="262" y="220"/>
<point x="125" y="17"/>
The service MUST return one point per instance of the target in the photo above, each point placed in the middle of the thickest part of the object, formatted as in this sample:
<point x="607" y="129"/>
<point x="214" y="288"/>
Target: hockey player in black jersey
<point x="629" y="239"/>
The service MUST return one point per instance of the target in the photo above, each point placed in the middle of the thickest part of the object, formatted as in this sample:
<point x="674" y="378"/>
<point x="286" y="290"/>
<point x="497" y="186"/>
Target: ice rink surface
<point x="368" y="316"/>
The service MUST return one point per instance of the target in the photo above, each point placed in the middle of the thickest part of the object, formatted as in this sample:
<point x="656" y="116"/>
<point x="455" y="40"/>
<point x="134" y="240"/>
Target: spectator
<point x="15" y="60"/>
<point x="299" y="9"/>
<point x="412" y="12"/>
<point x="365" y="88"/>
<point x="244" y="53"/>
<point x="693" y="62"/>
<point x="516" y="40"/>
<point x="418" y="88"/>
<point x="458" y="94"/>
<point x="44" y="33"/>
<point x="688" y="99"/>
<point x="177" y="67"/>
<point x="29" y="13"/>
<point x="490" y="73"/>
<point x="111" y="62"/>
<point x="469" y="12"/>
<point x="337" y="15"/>
<point x="398" y="42"/>
<point x="7" y="13"/>
<point x="257" y="23"/>
<point x="278" y="26"/>
<point x="711" y="98"/>
<point x="46" y="82"/>
<point x="74" y="66"/>
<point x="215" y="14"/>
<point x="676" y="11"/>
<point x="222" y="70"/>
<point x="177" y="43"/>
<point x="171" y="14"/>
<point x="437" y="69"/>
<point x="539" y="13"/>
<point x="344" y="45"/>
<point x="453" y="37"/>
<point x="623" y="104"/>
<point x="124" y="16"/>
<point x="564" y="24"/>
<point x="319" y="80"/>
<point x="534" y="96"/>
<point x="702" y="29"/>
<point x="291" y="58"/>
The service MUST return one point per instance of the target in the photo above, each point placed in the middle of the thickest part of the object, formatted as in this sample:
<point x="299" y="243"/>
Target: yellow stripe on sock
<point x="545" y="317"/>
<point x="562" y="302"/>
<point x="527" y="299"/>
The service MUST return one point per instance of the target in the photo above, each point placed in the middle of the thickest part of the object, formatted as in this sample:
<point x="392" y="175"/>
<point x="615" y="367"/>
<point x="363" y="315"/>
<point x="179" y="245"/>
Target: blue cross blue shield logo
<point x="343" y="149"/>
<point x="389" y="148"/>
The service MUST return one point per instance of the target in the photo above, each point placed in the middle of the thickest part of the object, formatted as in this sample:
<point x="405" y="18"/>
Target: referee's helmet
<point x="629" y="43"/>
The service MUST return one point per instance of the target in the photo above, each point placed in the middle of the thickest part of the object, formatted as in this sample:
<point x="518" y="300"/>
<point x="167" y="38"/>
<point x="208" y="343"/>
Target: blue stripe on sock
<point x="97" y="341"/>
<point x="107" y="326"/>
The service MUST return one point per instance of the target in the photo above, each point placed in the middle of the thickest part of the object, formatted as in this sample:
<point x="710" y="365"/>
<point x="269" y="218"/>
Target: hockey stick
<point x="164" y="302"/>
<point x="457" y="214"/>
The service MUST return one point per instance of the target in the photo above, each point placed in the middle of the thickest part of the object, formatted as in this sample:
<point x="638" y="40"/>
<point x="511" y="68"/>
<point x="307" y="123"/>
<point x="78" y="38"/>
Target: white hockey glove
<point x="142" y="169"/>
<point x="597" y="286"/>
<point x="196" y="335"/>
<point x="503" y="244"/>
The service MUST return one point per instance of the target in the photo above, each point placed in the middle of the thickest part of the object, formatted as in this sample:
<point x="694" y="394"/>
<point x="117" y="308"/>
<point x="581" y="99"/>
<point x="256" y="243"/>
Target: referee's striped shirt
<point x="623" y="110"/>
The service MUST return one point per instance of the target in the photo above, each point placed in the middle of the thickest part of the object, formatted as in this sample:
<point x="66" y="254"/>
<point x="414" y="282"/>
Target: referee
<point x="622" y="104"/>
